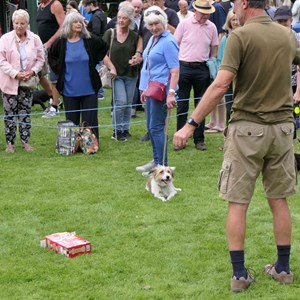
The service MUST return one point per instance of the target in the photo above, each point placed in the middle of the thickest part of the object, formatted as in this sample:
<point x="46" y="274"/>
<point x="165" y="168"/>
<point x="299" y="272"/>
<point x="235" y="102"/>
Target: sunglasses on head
<point x="156" y="12"/>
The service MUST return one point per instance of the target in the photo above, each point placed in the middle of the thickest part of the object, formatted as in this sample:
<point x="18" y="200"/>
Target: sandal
<point x="27" y="147"/>
<point x="219" y="129"/>
<point x="208" y="126"/>
<point x="10" y="149"/>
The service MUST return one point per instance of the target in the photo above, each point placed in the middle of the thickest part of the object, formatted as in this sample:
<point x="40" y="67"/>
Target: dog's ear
<point x="173" y="169"/>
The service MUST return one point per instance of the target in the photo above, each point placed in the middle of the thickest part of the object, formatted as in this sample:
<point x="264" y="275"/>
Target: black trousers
<point x="197" y="78"/>
<point x="85" y="107"/>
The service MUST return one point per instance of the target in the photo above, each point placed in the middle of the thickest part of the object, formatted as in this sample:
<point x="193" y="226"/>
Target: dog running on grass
<point x="160" y="183"/>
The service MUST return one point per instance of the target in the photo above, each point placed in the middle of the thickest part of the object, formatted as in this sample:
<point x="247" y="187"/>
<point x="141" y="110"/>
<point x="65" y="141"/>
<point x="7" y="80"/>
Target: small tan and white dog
<point x="160" y="183"/>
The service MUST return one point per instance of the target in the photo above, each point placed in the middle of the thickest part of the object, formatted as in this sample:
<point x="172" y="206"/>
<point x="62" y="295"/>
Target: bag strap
<point x="147" y="65"/>
<point x="112" y="35"/>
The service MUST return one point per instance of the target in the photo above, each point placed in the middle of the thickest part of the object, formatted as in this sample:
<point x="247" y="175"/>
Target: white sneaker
<point x="147" y="167"/>
<point x="50" y="113"/>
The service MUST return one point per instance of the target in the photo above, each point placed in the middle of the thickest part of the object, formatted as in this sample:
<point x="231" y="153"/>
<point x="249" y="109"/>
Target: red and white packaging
<point x="66" y="243"/>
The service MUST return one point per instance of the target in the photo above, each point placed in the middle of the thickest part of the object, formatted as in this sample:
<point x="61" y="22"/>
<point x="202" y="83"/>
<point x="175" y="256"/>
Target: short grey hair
<point x="257" y="4"/>
<point x="155" y="14"/>
<point x="22" y="14"/>
<point x="66" y="31"/>
<point x="128" y="10"/>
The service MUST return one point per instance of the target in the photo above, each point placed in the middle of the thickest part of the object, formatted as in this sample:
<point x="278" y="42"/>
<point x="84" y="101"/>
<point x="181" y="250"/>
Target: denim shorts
<point x="53" y="76"/>
<point x="251" y="149"/>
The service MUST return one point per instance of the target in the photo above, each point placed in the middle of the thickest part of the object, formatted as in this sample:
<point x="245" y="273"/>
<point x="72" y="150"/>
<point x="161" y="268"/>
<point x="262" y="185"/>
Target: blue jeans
<point x="156" y="115"/>
<point x="101" y="90"/>
<point x="123" y="92"/>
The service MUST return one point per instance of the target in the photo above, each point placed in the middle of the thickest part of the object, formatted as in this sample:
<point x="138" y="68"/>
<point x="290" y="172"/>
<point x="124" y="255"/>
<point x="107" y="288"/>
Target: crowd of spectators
<point x="194" y="27"/>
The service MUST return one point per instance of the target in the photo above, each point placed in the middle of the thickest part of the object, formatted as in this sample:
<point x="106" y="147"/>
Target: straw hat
<point x="204" y="6"/>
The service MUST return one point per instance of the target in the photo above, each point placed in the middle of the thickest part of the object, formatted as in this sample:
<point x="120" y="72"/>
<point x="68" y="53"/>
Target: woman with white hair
<point x="161" y="64"/>
<point x="21" y="58"/>
<point x="123" y="73"/>
<point x="74" y="57"/>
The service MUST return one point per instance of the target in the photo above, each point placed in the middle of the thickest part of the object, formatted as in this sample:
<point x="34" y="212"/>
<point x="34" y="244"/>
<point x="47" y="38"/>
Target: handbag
<point x="104" y="71"/>
<point x="31" y="83"/>
<point x="156" y="90"/>
<point x="105" y="76"/>
<point x="86" y="140"/>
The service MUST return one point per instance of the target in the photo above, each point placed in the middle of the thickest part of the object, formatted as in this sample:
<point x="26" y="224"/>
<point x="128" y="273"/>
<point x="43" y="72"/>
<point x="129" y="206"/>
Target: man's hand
<point x="181" y="136"/>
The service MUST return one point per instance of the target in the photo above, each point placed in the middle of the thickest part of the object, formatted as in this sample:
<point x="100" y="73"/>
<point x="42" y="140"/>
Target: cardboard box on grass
<point x="66" y="243"/>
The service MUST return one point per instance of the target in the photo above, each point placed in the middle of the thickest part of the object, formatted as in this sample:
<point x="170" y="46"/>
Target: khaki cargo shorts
<point x="251" y="149"/>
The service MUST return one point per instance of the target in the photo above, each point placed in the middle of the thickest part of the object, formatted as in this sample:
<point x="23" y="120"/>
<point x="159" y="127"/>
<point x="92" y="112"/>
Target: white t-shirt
<point x="182" y="17"/>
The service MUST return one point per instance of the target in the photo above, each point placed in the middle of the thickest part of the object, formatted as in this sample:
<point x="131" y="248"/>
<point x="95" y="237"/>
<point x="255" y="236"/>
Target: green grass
<point x="142" y="248"/>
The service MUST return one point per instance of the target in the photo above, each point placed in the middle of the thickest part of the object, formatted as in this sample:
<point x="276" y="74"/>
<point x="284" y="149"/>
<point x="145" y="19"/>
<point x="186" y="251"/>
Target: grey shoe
<point x="241" y="284"/>
<point x="282" y="277"/>
<point x="145" y="137"/>
<point x="147" y="167"/>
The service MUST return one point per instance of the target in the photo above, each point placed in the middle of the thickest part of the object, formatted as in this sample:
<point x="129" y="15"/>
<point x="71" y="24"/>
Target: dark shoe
<point x="145" y="138"/>
<point x="282" y="277"/>
<point x="200" y="146"/>
<point x="118" y="136"/>
<point x="126" y="134"/>
<point x="241" y="284"/>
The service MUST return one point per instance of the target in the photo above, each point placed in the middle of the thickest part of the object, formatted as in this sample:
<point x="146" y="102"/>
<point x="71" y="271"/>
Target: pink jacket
<point x="10" y="64"/>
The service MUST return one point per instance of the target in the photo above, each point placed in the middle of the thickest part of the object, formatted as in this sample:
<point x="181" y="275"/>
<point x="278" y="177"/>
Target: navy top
<point x="47" y="23"/>
<point x="77" y="77"/>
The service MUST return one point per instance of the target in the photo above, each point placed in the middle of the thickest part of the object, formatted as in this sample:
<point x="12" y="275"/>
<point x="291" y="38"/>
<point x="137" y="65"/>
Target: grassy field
<point x="142" y="248"/>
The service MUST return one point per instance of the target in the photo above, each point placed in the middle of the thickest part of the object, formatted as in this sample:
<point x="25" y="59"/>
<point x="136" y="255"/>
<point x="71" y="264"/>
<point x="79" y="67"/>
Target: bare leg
<point x="236" y="231"/>
<point x="236" y="225"/>
<point x="281" y="221"/>
<point x="55" y="95"/>
<point x="44" y="82"/>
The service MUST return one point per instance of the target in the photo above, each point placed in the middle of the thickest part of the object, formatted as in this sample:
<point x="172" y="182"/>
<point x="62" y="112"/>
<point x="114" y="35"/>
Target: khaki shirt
<point x="261" y="54"/>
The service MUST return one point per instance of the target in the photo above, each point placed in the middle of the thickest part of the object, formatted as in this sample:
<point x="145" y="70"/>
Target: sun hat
<point x="204" y="6"/>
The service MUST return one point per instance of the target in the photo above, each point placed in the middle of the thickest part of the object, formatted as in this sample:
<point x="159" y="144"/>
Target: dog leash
<point x="166" y="134"/>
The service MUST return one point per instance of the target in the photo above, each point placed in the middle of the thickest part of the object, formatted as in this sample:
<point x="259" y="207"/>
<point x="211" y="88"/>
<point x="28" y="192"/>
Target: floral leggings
<point x="17" y="108"/>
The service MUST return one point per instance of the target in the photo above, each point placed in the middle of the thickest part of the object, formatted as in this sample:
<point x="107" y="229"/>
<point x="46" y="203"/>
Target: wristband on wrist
<point x="139" y="52"/>
<point x="172" y="91"/>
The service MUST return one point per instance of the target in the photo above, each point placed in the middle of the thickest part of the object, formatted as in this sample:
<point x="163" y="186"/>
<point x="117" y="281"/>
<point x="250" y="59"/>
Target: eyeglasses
<point x="156" y="12"/>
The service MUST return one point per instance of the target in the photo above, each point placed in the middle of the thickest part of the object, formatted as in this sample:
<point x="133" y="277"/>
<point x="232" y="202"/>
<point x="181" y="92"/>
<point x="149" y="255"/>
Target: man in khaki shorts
<point x="259" y="138"/>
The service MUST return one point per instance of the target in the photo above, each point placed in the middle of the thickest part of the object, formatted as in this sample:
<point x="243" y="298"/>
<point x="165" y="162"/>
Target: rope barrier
<point x="91" y="109"/>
